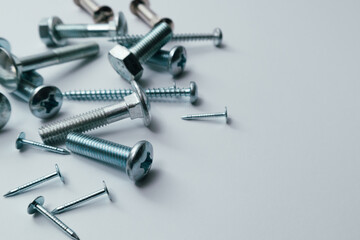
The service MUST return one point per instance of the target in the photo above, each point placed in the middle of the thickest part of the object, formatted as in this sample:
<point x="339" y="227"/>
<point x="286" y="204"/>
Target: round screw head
<point x="9" y="71"/>
<point x="19" y="141"/>
<point x="59" y="173"/>
<point x="48" y="33"/>
<point x="139" y="161"/>
<point x="5" y="44"/>
<point x="134" y="3"/>
<point x="121" y="24"/>
<point x="177" y="60"/>
<point x="5" y="110"/>
<point x="193" y="92"/>
<point x="45" y="102"/>
<point x="103" y="15"/>
<point x="32" y="206"/>
<point x="144" y="103"/>
<point x="218" y="37"/>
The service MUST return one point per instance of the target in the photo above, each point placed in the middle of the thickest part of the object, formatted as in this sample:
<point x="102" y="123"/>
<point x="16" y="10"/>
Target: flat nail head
<point x="32" y="206"/>
<point x="19" y="141"/>
<point x="59" y="173"/>
<point x="107" y="191"/>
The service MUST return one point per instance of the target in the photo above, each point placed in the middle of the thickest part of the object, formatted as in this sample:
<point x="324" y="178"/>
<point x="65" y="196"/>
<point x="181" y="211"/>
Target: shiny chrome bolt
<point x="100" y="14"/>
<point x="206" y="116"/>
<point x="21" y="141"/>
<point x="5" y="110"/>
<point x="136" y="161"/>
<point x="37" y="206"/>
<point x="70" y="205"/>
<point x="36" y="182"/>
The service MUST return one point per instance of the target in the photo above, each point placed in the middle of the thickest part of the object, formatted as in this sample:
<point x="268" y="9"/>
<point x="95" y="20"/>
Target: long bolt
<point x="133" y="106"/>
<point x="216" y="37"/>
<point x="70" y="205"/>
<point x="153" y="94"/>
<point x="100" y="14"/>
<point x="21" y="141"/>
<point x="37" y="206"/>
<point x="136" y="161"/>
<point x="36" y="182"/>
<point x="206" y="116"/>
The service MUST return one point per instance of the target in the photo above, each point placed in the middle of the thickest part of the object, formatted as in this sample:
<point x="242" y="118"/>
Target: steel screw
<point x="206" y="115"/>
<point x="100" y="14"/>
<point x="216" y="37"/>
<point x="127" y="62"/>
<point x="37" y="206"/>
<point x="70" y="205"/>
<point x="36" y="182"/>
<point x="21" y="141"/>
<point x="54" y="33"/>
<point x="136" y="161"/>
<point x="134" y="106"/>
<point x="5" y="110"/>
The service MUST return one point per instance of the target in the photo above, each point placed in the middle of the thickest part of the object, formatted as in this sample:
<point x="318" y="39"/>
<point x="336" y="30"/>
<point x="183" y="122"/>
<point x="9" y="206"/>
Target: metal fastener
<point x="70" y="205"/>
<point x="100" y="14"/>
<point x="216" y="37"/>
<point x="54" y="33"/>
<point x="5" y="110"/>
<point x="206" y="116"/>
<point x="136" y="161"/>
<point x="37" y="206"/>
<point x="134" y="106"/>
<point x="127" y="62"/>
<point x="5" y="44"/>
<point x="153" y="94"/>
<point x="21" y="141"/>
<point x="36" y="182"/>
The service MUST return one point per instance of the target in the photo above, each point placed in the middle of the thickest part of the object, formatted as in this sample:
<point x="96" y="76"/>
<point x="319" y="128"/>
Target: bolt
<point x="11" y="67"/>
<point x="127" y="62"/>
<point x="134" y="106"/>
<point x="216" y="37"/>
<point x="54" y="33"/>
<point x="152" y="93"/>
<point x="136" y="161"/>
<point x="100" y="14"/>
<point x="36" y="182"/>
<point x="37" y="206"/>
<point x="141" y="8"/>
<point x="21" y="141"/>
<point x="70" y="205"/>
<point x="206" y="115"/>
<point x="5" y="110"/>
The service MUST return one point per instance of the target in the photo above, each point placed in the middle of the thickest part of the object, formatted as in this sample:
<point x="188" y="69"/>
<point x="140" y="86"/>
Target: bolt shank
<point x="85" y="30"/>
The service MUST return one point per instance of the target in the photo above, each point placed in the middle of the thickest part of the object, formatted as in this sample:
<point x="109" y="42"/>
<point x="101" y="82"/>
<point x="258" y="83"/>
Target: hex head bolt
<point x="37" y="206"/>
<point x="216" y="37"/>
<point x="73" y="204"/>
<point x="153" y="94"/>
<point x="5" y="110"/>
<point x="206" y="116"/>
<point x="100" y="14"/>
<point x="133" y="106"/>
<point x="127" y="62"/>
<point x="54" y="33"/>
<point x="136" y="161"/>
<point x="36" y="182"/>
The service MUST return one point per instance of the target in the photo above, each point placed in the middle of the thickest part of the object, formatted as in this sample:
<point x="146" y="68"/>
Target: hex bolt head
<point x="48" y="32"/>
<point x="5" y="110"/>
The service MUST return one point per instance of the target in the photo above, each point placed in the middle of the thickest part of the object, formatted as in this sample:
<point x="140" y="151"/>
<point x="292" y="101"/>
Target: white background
<point x="285" y="167"/>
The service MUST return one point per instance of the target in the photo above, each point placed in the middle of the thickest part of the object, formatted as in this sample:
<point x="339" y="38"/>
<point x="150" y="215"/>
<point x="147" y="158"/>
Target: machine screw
<point x="216" y="37"/>
<point x="54" y="33"/>
<point x="206" y="115"/>
<point x="136" y="161"/>
<point x="127" y="62"/>
<point x="36" y="182"/>
<point x="70" y="205"/>
<point x="134" y="106"/>
<point x="100" y="14"/>
<point x="5" y="110"/>
<point x="21" y="141"/>
<point x="37" y="206"/>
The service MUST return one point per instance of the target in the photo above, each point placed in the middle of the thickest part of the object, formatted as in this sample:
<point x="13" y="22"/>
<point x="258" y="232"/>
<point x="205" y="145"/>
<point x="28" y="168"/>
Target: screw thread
<point x="45" y="147"/>
<point x="205" y="115"/>
<point x="160" y="58"/>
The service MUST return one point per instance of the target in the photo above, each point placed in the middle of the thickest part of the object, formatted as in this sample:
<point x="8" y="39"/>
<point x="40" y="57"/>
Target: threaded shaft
<point x="98" y="149"/>
<point x="160" y="58"/>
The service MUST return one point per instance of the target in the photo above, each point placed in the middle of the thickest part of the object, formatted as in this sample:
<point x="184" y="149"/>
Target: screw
<point x="36" y="182"/>
<point x="70" y="205"/>
<point x="100" y="14"/>
<point x="21" y="141"/>
<point x="206" y="115"/>
<point x="5" y="110"/>
<point x="216" y="37"/>
<point x="127" y="62"/>
<point x="116" y="94"/>
<point x="11" y="67"/>
<point x="136" y="161"/>
<point x="134" y="106"/>
<point x="37" y="206"/>
<point x="54" y="33"/>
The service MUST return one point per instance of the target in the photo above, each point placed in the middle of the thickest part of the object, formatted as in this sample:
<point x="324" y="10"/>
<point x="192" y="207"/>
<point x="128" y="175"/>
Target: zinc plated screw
<point x="152" y="93"/>
<point x="133" y="106"/>
<point x="37" y="206"/>
<point x="5" y="110"/>
<point x="100" y="14"/>
<point x="127" y="62"/>
<point x="21" y="141"/>
<point x="136" y="161"/>
<point x="54" y="33"/>
<point x="206" y="115"/>
<point x="216" y="37"/>
<point x="70" y="205"/>
<point x="36" y="182"/>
